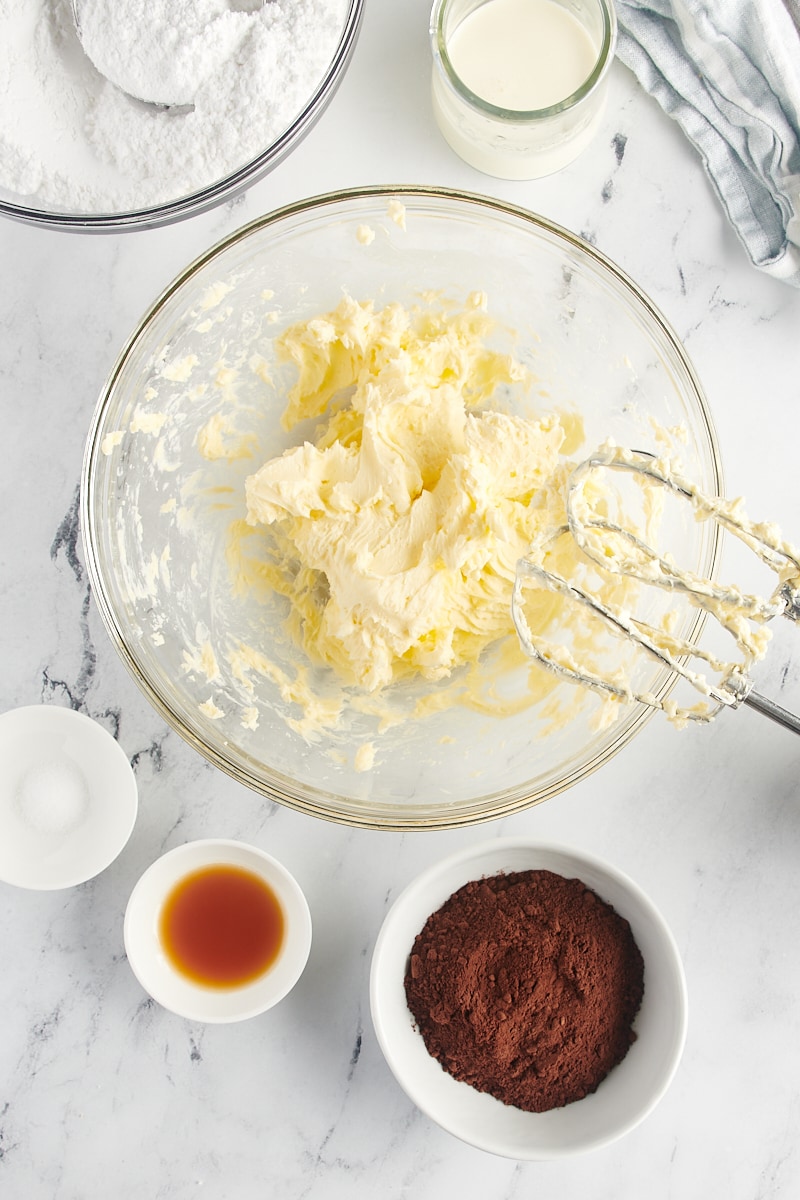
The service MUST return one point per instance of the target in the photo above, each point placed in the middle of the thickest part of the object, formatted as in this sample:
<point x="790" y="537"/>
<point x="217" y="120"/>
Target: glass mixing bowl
<point x="215" y="191"/>
<point x="157" y="514"/>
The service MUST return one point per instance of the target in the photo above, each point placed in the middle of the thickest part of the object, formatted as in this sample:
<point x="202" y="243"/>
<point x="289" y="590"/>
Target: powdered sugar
<point x="161" y="50"/>
<point x="71" y="139"/>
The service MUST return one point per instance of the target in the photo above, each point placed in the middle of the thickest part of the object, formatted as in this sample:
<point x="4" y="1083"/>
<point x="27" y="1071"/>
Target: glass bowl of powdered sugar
<point x="246" y="80"/>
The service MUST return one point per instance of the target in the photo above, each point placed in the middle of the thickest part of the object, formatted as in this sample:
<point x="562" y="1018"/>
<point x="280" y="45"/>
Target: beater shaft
<point x="768" y="708"/>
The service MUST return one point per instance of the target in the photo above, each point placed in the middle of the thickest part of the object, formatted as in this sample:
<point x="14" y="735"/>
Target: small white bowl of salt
<point x="68" y="798"/>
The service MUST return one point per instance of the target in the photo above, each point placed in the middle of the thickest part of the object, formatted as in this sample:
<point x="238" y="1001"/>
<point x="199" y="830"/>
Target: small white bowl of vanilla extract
<point x="217" y="931"/>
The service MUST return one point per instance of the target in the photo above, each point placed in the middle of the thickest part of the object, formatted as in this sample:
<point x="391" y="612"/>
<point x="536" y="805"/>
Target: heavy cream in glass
<point x="517" y="83"/>
<point x="522" y="54"/>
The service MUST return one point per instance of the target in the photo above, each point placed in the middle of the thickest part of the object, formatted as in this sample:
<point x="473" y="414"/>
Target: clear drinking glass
<point x="515" y="143"/>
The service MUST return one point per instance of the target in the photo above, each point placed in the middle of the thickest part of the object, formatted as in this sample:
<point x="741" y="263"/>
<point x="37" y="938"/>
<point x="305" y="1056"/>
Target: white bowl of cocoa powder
<point x="529" y="998"/>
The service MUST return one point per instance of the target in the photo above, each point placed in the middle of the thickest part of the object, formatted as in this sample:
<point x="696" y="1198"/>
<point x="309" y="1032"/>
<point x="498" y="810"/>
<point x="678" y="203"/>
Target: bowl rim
<point x="229" y="186"/>
<point x="499" y="849"/>
<point x="145" y="902"/>
<point x="305" y="798"/>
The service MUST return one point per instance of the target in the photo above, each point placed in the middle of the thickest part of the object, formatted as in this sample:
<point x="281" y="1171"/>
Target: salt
<point x="53" y="796"/>
<point x="70" y="139"/>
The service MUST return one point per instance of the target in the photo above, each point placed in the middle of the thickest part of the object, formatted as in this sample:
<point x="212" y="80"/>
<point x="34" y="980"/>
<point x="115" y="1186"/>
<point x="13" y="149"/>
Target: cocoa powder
<point x="525" y="985"/>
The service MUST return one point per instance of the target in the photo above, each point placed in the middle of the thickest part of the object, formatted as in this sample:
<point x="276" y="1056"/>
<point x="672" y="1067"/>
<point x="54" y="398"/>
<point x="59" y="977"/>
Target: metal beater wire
<point x="734" y="687"/>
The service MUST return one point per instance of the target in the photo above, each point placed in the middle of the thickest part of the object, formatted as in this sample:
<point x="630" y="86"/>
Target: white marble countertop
<point x="105" y="1094"/>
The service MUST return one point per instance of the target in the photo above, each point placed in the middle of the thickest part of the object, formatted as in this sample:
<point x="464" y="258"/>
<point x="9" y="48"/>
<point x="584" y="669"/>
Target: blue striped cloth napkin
<point x="728" y="71"/>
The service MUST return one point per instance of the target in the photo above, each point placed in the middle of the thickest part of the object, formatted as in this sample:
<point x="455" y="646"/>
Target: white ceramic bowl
<point x="628" y="1093"/>
<point x="152" y="967"/>
<point x="68" y="798"/>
